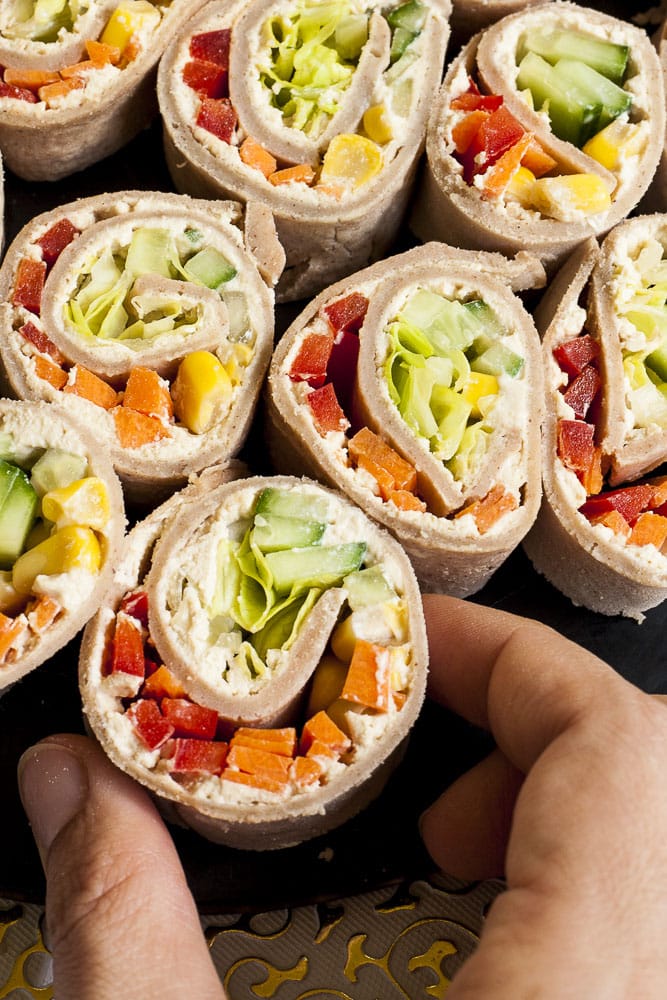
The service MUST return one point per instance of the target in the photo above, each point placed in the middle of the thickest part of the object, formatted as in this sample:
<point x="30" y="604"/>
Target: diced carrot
<point x="465" y="130"/>
<point x="660" y="488"/>
<point x="30" y="275"/>
<point x="43" y="613"/>
<point x="31" y="79"/>
<point x="135" y="429"/>
<point x="591" y="478"/>
<point x="649" y="529"/>
<point x="537" y="160"/>
<point x="53" y="91"/>
<point x="488" y="509"/>
<point x="254" y="761"/>
<point x="368" y="680"/>
<point x="384" y="479"/>
<point x="50" y="372"/>
<point x="365" y="442"/>
<point x="322" y="728"/>
<point x="162" y="684"/>
<point x="130" y="52"/>
<point x="613" y="519"/>
<point x="405" y="500"/>
<point x="102" y="53"/>
<point x="82" y="382"/>
<point x="280" y="741"/>
<point x="148" y="393"/>
<point x="305" y="771"/>
<point x="254" y="155"/>
<point x="76" y="69"/>
<point x="259" y="781"/>
<point x="302" y="172"/>
<point x="10" y="630"/>
<point x="319" y="749"/>
<point x="500" y="174"/>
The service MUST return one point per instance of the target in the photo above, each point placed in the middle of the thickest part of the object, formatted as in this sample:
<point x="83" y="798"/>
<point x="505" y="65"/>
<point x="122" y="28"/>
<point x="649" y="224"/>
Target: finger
<point x="466" y="830"/>
<point x="121" y="919"/>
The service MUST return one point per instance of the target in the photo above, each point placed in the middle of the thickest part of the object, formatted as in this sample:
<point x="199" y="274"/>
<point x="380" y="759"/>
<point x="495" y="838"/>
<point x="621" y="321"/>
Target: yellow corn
<point x="327" y="684"/>
<point x="616" y="141"/>
<point x="130" y="17"/>
<point x="200" y="388"/>
<point x="520" y="186"/>
<point x="84" y="502"/>
<point x="478" y="388"/>
<point x="343" y="639"/>
<point x="69" y="548"/>
<point x="571" y="194"/>
<point x="376" y="124"/>
<point x="11" y="602"/>
<point x="388" y="622"/>
<point x="239" y="360"/>
<point x="351" y="160"/>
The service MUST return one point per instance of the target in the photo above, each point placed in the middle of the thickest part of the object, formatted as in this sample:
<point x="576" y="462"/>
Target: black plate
<point x="382" y="844"/>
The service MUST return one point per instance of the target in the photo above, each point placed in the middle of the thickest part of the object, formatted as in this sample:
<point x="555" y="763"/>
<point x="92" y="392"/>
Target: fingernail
<point x="53" y="785"/>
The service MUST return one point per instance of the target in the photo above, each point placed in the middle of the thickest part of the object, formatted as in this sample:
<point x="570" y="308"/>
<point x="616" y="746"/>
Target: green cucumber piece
<point x="657" y="361"/>
<point x="318" y="566"/>
<point x="18" y="510"/>
<point x="400" y="40"/>
<point x="615" y="101"/>
<point x="411" y="16"/>
<point x="209" y="267"/>
<point x="282" y="503"/>
<point x="482" y="312"/>
<point x="56" y="468"/>
<point x="273" y="532"/>
<point x="573" y="115"/>
<point x="367" y="587"/>
<point x="608" y="58"/>
<point x="497" y="360"/>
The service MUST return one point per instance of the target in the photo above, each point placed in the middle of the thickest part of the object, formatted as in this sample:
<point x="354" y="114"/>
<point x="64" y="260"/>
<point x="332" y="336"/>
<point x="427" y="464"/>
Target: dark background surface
<point x="382" y="844"/>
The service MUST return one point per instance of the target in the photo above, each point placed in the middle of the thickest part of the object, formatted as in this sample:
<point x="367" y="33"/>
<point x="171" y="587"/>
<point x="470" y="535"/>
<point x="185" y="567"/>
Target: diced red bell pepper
<point x="189" y="719"/>
<point x="54" y="241"/>
<point x="127" y="655"/>
<point x="574" y="355"/>
<point x="18" y="93"/>
<point x="312" y="359"/>
<point x="206" y="78"/>
<point x="150" y="725"/>
<point x="326" y="410"/>
<point x="198" y="756"/>
<point x="40" y="340"/>
<point x="582" y="390"/>
<point x="496" y="134"/>
<point x="473" y="100"/>
<point x="629" y="501"/>
<point x="212" y="46"/>
<point x="29" y="286"/>
<point x="576" y="445"/>
<point x="342" y="370"/>
<point x="135" y="604"/>
<point x="217" y="116"/>
<point x="348" y="313"/>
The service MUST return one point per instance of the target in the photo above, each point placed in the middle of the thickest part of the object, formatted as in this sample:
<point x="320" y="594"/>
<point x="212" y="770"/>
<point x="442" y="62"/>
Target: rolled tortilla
<point x="78" y="85"/>
<point x="599" y="536"/>
<point x="549" y="209"/>
<point x="150" y="316"/>
<point x="338" y="186"/>
<point x="443" y="455"/>
<point x="278" y="710"/>
<point x="61" y="523"/>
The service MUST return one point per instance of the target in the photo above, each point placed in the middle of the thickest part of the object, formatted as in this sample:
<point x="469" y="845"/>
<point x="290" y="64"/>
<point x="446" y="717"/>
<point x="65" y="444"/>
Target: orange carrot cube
<point x="374" y="449"/>
<point x="500" y="174"/>
<point x="278" y="741"/>
<point x="89" y="386"/>
<point x="135" y="429"/>
<point x="537" y="160"/>
<point x="162" y="684"/>
<point x="405" y="500"/>
<point x="254" y="155"/>
<point x="614" y="519"/>
<point x="262" y="762"/>
<point x="649" y="529"/>
<point x="50" y="372"/>
<point x="147" y="393"/>
<point x="51" y="92"/>
<point x="302" y="172"/>
<point x="10" y="630"/>
<point x="467" y="128"/>
<point x="491" y="507"/>
<point x="305" y="771"/>
<point x="43" y="612"/>
<point x="31" y="79"/>
<point x="368" y="680"/>
<point x="102" y="53"/>
<point x="259" y="781"/>
<point x="322" y="728"/>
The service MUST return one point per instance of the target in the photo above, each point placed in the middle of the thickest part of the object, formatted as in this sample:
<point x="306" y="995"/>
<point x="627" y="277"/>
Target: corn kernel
<point x="616" y="141"/>
<point x="477" y="389"/>
<point x="351" y="159"/>
<point x="84" y="502"/>
<point x="130" y="17"/>
<point x="520" y="186"/>
<point x="201" y="388"/>
<point x="326" y="685"/>
<point x="567" y="197"/>
<point x="344" y="638"/>
<point x="376" y="124"/>
<point x="69" y="548"/>
<point x="238" y="361"/>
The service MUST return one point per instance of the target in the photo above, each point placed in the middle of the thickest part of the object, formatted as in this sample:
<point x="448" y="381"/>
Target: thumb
<point x="121" y="919"/>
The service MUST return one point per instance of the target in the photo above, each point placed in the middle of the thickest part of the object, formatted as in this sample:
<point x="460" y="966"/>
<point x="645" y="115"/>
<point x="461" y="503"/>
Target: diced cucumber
<point x="366" y="587"/>
<point x="614" y="99"/>
<point x="486" y="317"/>
<point x="574" y="116"/>
<point x="657" y="360"/>
<point x="496" y="360"/>
<point x="400" y="40"/>
<point x="18" y="510"/>
<point x="318" y="566"/>
<point x="410" y="15"/>
<point x="351" y="35"/>
<point x="210" y="268"/>
<point x="273" y="532"/>
<point x="282" y="503"/>
<point x="607" y="58"/>
<point x="57" y="468"/>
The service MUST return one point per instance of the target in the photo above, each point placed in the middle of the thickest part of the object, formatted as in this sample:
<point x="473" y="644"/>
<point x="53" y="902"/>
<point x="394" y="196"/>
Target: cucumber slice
<point x="496" y="360"/>
<point x="400" y="40"/>
<point x="57" y="468"/>
<point x="18" y="510"/>
<point x="608" y="58"/>
<point x="318" y="566"/>
<point x="273" y="532"/>
<point x="574" y="116"/>
<point x="366" y="587"/>
<point x="210" y="268"/>
<point x="614" y="100"/>
<point x="306" y="507"/>
<point x="411" y="16"/>
<point x="485" y="316"/>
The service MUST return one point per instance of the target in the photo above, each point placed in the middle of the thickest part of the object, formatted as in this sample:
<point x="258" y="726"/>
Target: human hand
<point x="582" y="841"/>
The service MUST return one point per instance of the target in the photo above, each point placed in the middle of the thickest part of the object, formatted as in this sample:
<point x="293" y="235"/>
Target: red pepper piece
<point x="217" y="116"/>
<point x="496" y="134"/>
<point x="629" y="501"/>
<point x="312" y="358"/>
<point x="149" y="724"/>
<point x="54" y="241"/>
<point x="473" y="100"/>
<point x="18" y="93"/>
<point x="127" y="655"/>
<point x="582" y="390"/>
<point x="40" y="340"/>
<point x="326" y="410"/>
<point x="576" y="446"/>
<point x="189" y="719"/>
<point x="30" y="276"/>
<point x="135" y="604"/>
<point x="206" y="78"/>
<point x="574" y="355"/>
<point x="348" y="313"/>
<point x="198" y="756"/>
<point x="212" y="46"/>
<point x="342" y="370"/>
